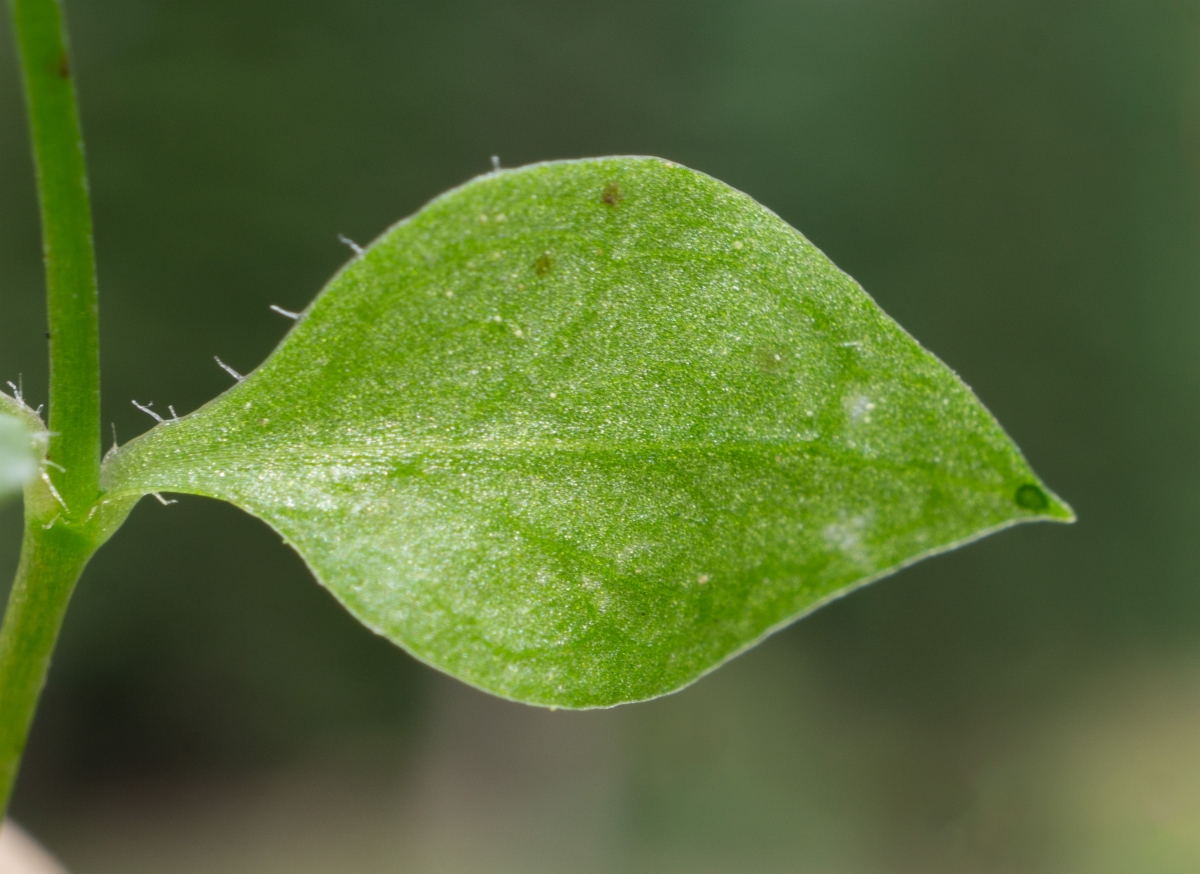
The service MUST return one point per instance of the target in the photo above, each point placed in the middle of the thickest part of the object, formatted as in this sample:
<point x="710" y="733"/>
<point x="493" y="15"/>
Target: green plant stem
<point x="71" y="300"/>
<point x="51" y="562"/>
<point x="61" y="529"/>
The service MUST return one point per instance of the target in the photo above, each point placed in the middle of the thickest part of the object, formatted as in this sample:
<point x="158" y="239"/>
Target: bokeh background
<point x="1017" y="182"/>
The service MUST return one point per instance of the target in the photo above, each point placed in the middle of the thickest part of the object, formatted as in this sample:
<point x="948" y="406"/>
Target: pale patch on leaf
<point x="18" y="453"/>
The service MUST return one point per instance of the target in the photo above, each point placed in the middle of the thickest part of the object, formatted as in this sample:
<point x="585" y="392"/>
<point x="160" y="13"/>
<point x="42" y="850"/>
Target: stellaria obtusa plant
<point x="575" y="433"/>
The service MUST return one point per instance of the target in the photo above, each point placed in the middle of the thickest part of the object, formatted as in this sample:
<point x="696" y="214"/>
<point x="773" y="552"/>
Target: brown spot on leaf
<point x="612" y="194"/>
<point x="543" y="263"/>
<point x="64" y="66"/>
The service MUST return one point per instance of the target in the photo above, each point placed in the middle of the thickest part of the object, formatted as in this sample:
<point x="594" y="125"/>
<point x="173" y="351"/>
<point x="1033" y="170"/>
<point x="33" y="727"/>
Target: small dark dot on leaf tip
<point x="1031" y="497"/>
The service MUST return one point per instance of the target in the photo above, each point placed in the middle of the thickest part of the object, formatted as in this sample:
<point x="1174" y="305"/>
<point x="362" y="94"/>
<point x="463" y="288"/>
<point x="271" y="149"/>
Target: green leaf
<point x="18" y="456"/>
<point x="579" y="432"/>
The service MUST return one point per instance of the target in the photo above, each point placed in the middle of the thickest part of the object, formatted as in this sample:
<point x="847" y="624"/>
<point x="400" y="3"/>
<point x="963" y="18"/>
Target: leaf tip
<point x="1037" y="499"/>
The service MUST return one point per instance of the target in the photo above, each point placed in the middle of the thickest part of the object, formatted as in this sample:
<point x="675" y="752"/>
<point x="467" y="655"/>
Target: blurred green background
<point x="1017" y="182"/>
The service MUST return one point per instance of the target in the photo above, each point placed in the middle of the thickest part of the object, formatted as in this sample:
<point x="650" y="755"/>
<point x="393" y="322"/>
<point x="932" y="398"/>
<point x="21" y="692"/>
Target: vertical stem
<point x="51" y="562"/>
<point x="71" y="301"/>
<point x="59" y="536"/>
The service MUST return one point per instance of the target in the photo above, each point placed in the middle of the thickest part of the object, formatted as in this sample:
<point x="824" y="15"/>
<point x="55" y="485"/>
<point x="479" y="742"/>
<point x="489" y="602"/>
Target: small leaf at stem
<point x="579" y="432"/>
<point x="18" y="458"/>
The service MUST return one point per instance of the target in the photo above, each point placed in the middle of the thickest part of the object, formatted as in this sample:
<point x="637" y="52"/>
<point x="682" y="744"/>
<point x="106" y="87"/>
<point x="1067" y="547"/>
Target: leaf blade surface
<point x="579" y="432"/>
